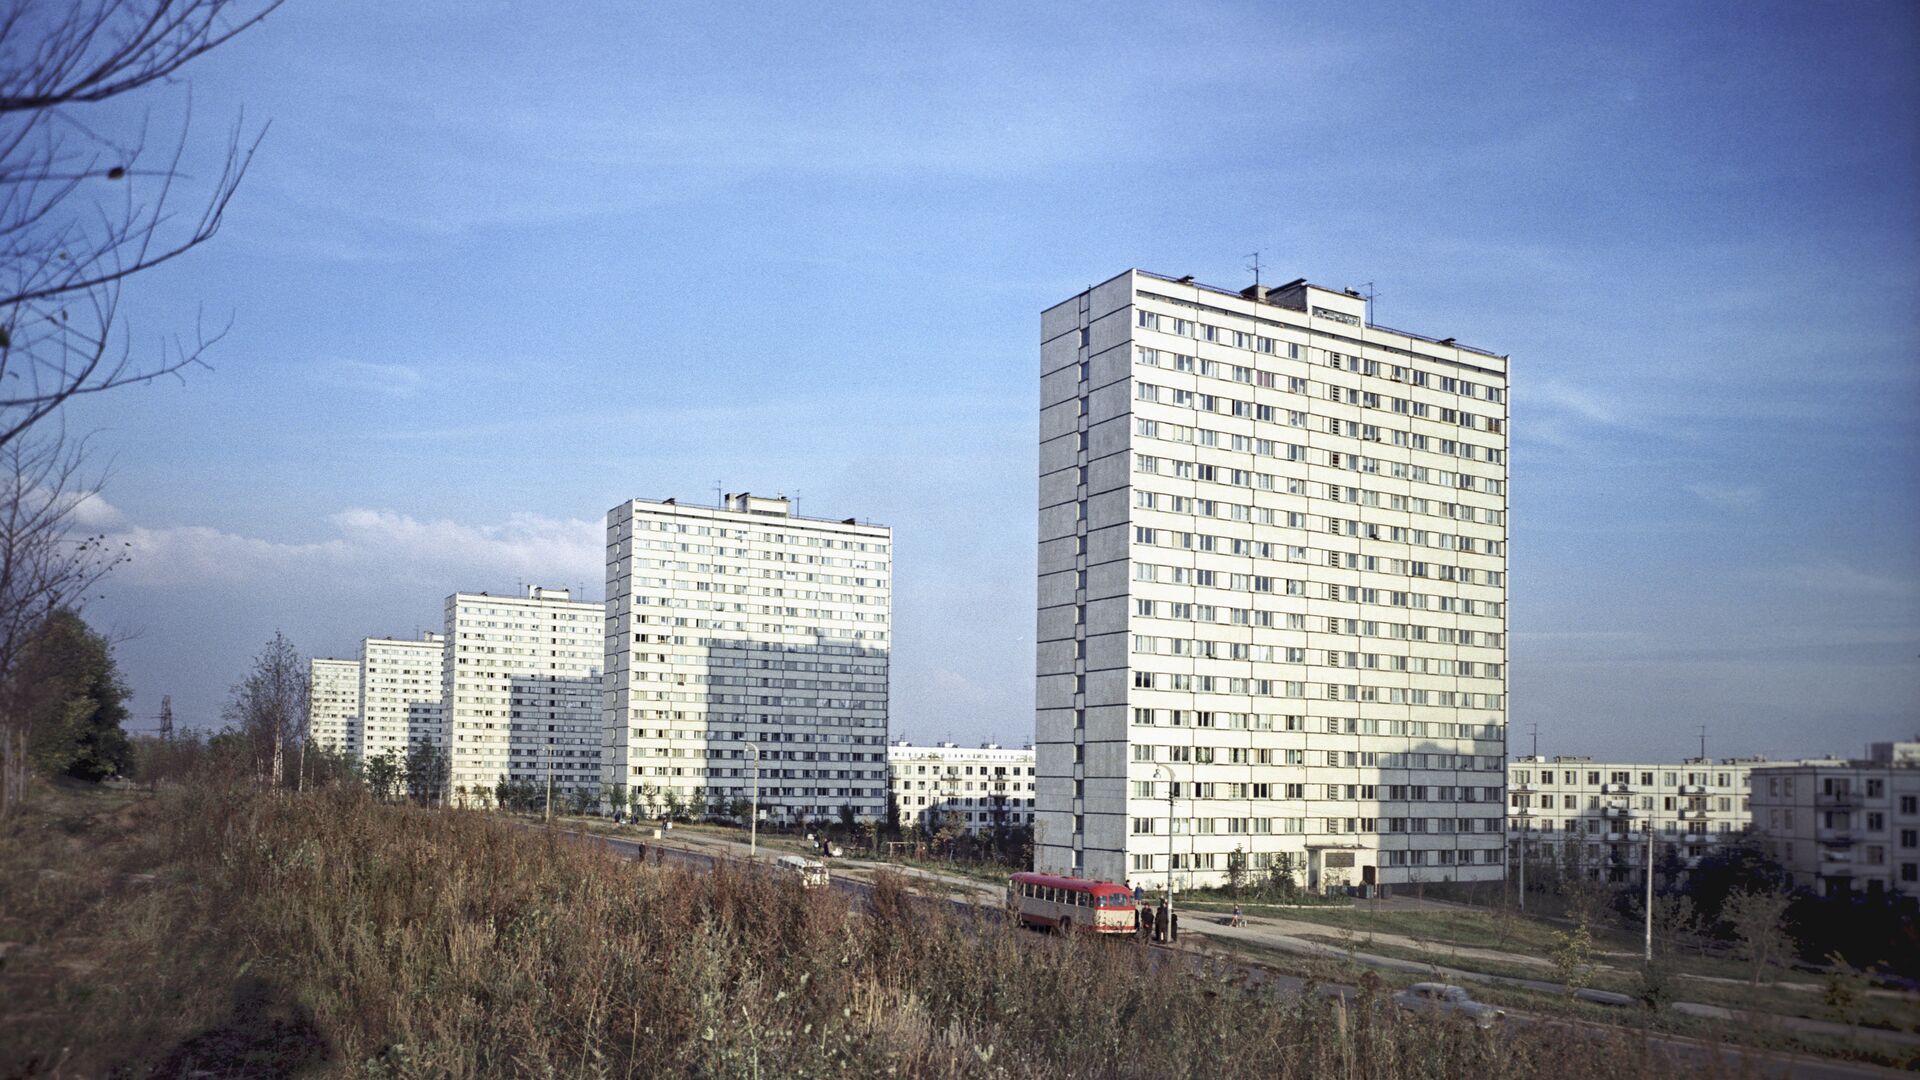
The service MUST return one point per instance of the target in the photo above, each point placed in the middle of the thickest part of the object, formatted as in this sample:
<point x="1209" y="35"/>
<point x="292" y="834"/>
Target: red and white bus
<point x="1069" y="904"/>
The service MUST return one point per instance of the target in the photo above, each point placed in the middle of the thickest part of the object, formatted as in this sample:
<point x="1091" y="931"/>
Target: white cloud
<point x="372" y="544"/>
<point x="395" y="381"/>
<point x="92" y="511"/>
<point x="1731" y="496"/>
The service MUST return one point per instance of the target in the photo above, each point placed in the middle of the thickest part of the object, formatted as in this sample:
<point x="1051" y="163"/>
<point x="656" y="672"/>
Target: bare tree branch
<point x="81" y="213"/>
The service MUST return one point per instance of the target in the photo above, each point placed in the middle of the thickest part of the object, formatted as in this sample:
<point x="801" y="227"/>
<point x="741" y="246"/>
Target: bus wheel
<point x="1065" y="927"/>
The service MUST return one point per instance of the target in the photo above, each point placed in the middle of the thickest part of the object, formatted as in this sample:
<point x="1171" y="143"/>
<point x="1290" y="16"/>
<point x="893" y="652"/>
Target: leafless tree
<point x="46" y="563"/>
<point x="81" y="209"/>
<point x="269" y="707"/>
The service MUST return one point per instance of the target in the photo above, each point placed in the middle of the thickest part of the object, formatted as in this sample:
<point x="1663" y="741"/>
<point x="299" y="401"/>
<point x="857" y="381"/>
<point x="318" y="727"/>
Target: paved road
<point x="1781" y="1065"/>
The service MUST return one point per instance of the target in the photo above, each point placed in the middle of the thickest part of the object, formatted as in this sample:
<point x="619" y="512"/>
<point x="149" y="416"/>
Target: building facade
<point x="1591" y="817"/>
<point x="1272" y="582"/>
<point x="745" y="629"/>
<point x="333" y="706"/>
<point x="981" y="788"/>
<point x="401" y="690"/>
<point x="1842" y="826"/>
<point x="520" y="679"/>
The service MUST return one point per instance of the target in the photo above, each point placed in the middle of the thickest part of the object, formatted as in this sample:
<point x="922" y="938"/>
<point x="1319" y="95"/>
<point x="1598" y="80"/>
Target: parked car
<point x="812" y="874"/>
<point x="1443" y="999"/>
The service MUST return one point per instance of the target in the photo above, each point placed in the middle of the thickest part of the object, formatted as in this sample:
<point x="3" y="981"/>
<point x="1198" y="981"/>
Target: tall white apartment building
<point x="1842" y="826"/>
<point x="333" y="706"/>
<point x="521" y="683"/>
<point x="983" y="787"/>
<point x="1272" y="589"/>
<point x="401" y="686"/>
<point x="747" y="626"/>
<point x="1593" y="815"/>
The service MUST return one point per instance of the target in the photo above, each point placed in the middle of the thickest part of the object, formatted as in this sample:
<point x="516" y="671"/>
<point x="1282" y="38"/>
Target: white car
<point x="1441" y="998"/>
<point x="812" y="874"/>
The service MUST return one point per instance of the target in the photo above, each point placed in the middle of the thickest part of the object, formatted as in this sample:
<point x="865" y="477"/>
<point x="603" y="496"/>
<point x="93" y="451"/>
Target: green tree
<point x="1843" y="990"/>
<point x="76" y="701"/>
<point x="1572" y="956"/>
<point x="426" y="770"/>
<point x="617" y="798"/>
<point x="1237" y="870"/>
<point x="1755" y="916"/>
<point x="384" y="773"/>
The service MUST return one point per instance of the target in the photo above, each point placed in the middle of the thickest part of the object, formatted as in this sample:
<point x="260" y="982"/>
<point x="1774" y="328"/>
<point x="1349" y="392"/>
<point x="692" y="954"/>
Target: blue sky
<point x="500" y="267"/>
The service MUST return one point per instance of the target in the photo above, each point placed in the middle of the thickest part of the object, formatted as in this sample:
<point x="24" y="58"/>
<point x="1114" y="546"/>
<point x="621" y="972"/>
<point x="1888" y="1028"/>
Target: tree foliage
<point x="74" y="701"/>
<point x="268" y="707"/>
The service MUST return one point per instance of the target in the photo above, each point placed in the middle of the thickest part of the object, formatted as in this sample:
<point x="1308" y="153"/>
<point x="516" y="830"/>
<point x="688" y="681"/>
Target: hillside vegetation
<point x="217" y="931"/>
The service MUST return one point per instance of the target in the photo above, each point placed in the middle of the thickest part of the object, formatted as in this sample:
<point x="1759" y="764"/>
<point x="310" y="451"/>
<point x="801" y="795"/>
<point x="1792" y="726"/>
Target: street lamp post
<point x="753" y="822"/>
<point x="1169" y="772"/>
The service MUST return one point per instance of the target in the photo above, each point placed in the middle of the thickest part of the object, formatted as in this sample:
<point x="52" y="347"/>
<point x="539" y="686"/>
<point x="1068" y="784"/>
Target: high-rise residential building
<point x="333" y="706"/>
<point x="521" y="686"/>
<point x="1842" y="826"/>
<point x="744" y="627"/>
<point x="401" y="687"/>
<point x="1272" y="589"/>
<point x="981" y="788"/>
<point x="1591" y="817"/>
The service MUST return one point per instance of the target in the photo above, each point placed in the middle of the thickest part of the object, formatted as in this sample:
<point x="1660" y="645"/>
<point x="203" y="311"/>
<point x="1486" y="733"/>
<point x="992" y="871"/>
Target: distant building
<point x="521" y="683"/>
<point x="745" y="627"/>
<point x="401" y="690"/>
<point x="984" y="787"/>
<point x="1842" y="826"/>
<point x="1272" y="589"/>
<point x="333" y="709"/>
<point x="1593" y="815"/>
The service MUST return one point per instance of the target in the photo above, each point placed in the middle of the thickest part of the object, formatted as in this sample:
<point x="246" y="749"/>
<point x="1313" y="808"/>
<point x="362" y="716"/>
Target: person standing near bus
<point x="1139" y="896"/>
<point x="1160" y="922"/>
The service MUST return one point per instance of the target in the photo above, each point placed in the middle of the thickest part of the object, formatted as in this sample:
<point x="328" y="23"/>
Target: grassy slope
<point x="334" y="934"/>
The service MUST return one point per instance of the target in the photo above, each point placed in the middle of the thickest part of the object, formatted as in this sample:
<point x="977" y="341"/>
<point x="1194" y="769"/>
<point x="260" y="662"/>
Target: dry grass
<point x="328" y="935"/>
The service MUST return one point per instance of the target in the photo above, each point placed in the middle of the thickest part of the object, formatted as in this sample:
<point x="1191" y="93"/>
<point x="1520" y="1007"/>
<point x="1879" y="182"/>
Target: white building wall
<point x="1844" y="826"/>
<point x="521" y="678"/>
<point x="1272" y="582"/>
<point x="401" y="690"/>
<point x="984" y="787"/>
<point x="1605" y="807"/>
<point x="333" y="711"/>
<point x="747" y="625"/>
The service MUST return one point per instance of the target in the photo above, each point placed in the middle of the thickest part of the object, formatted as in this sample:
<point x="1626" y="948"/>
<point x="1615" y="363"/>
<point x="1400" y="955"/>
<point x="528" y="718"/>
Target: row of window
<point x="1242" y="409"/>
<point x="1203" y="578"/>
<point x="1285" y="451"/>
<point x="777" y="539"/>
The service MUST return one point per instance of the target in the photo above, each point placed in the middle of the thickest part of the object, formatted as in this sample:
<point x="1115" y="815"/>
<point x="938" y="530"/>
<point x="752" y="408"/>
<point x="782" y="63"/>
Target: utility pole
<point x="549" y="778"/>
<point x="1526" y="822"/>
<point x="753" y="823"/>
<point x="1169" y="772"/>
<point x="1649" y="892"/>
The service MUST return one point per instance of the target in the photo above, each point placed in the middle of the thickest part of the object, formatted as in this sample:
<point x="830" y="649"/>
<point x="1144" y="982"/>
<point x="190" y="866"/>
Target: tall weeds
<point x="366" y="939"/>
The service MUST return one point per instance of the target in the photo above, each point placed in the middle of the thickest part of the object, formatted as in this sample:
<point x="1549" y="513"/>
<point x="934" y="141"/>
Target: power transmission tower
<point x="166" y="717"/>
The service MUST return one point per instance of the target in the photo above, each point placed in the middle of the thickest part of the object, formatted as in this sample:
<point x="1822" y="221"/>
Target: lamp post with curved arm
<point x="1169" y="772"/>
<point x="753" y="822"/>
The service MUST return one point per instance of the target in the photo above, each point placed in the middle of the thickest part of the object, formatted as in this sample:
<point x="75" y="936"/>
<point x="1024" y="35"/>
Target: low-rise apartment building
<point x="333" y="705"/>
<point x="983" y="787"/>
<point x="1591" y="817"/>
<point x="1842" y="826"/>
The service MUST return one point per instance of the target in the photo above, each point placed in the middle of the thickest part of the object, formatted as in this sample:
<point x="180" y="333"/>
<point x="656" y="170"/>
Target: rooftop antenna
<point x="1703" y="742"/>
<point x="1371" y="296"/>
<point x="1253" y="264"/>
<point x="1536" y="740"/>
<point x="716" y="495"/>
<point x="796" y="502"/>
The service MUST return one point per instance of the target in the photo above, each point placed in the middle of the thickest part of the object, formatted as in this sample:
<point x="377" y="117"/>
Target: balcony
<point x="1620" y="812"/>
<point x="1698" y="814"/>
<point x="1693" y="789"/>
<point x="1616" y="789"/>
<point x="1841" y="840"/>
<point x="1839" y="800"/>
